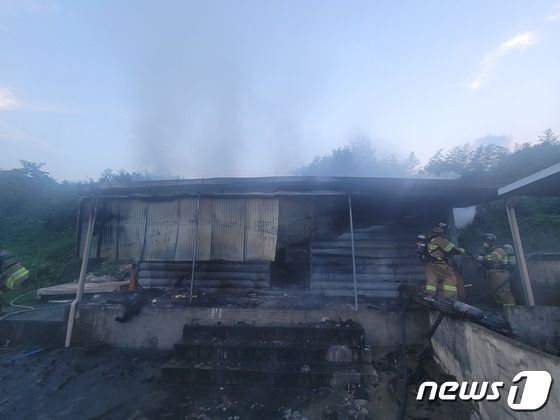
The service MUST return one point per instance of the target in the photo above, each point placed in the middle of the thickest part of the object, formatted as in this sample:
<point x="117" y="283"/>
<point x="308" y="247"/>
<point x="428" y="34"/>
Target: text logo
<point x="534" y="395"/>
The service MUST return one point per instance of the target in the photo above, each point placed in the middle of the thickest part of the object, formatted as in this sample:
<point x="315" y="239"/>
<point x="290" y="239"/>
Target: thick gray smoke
<point x="238" y="89"/>
<point x="207" y="96"/>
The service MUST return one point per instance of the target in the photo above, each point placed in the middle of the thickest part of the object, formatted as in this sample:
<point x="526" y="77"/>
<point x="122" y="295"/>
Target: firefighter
<point x="12" y="273"/>
<point x="441" y="277"/>
<point x="497" y="269"/>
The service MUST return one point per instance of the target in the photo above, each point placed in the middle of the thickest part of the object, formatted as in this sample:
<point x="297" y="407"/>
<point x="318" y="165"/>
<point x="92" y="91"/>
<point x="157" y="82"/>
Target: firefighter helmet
<point x="489" y="237"/>
<point x="440" y="227"/>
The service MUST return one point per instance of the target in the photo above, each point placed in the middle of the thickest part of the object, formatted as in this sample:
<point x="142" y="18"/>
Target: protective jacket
<point x="496" y="259"/>
<point x="442" y="277"/>
<point x="439" y="248"/>
<point x="12" y="273"/>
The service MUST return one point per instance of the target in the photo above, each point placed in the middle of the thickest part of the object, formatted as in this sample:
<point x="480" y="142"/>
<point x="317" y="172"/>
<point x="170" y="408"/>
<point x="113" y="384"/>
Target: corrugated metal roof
<point x="448" y="192"/>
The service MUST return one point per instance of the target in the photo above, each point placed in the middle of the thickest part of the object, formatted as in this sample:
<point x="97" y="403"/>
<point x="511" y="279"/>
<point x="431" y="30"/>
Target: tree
<point x="33" y="169"/>
<point x="548" y="137"/>
<point x="358" y="159"/>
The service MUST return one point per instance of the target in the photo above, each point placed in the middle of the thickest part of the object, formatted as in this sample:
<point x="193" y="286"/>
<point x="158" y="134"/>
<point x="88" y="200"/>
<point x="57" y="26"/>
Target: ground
<point x="103" y="383"/>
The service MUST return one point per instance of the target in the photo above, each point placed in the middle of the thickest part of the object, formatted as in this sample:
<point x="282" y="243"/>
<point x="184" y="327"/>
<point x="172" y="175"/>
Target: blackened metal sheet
<point x="228" y="229"/>
<point x="295" y="221"/>
<point x="132" y="227"/>
<point x="261" y="228"/>
<point x="161" y="230"/>
<point x="231" y="229"/>
<point x="385" y="259"/>
<point x="108" y="220"/>
<point x="205" y="225"/>
<point x="187" y="215"/>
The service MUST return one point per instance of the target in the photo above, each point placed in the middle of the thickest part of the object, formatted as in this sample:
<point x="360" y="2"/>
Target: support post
<point x="195" y="247"/>
<point x="353" y="253"/>
<point x="82" y="278"/>
<point x="520" y="255"/>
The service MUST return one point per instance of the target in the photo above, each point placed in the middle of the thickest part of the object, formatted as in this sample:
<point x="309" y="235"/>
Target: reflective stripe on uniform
<point x="431" y="287"/>
<point x="449" y="288"/>
<point x="17" y="277"/>
<point x="449" y="247"/>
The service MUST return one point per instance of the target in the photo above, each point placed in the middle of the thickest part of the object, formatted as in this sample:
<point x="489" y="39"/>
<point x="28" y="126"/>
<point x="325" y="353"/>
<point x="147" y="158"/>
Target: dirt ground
<point x="103" y="383"/>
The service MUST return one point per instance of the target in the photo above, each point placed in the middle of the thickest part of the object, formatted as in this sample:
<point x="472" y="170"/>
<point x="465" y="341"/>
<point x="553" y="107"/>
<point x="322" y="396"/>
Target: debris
<point x="339" y="354"/>
<point x="21" y="356"/>
<point x="63" y="383"/>
<point x="133" y="307"/>
<point x="305" y="369"/>
<point x="106" y="412"/>
<point x="252" y="294"/>
<point x="288" y="414"/>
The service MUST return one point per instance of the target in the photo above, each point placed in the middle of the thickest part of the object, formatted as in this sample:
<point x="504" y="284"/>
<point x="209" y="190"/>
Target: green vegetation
<point x="38" y="214"/>
<point x="37" y="223"/>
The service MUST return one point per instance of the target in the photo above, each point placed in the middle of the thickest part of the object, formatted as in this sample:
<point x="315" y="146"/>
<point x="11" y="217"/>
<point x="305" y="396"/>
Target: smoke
<point x="187" y="103"/>
<point x="209" y="97"/>
<point x="237" y="89"/>
<point x="464" y="216"/>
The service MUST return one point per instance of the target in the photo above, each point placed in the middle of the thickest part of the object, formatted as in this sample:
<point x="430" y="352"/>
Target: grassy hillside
<point x="37" y="224"/>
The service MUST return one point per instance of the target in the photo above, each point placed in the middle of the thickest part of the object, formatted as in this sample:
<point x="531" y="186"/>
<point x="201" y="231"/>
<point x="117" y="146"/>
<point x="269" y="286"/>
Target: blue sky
<point x="214" y="88"/>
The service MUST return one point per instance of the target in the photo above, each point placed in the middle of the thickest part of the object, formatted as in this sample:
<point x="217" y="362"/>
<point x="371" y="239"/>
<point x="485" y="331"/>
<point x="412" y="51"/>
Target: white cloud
<point x="7" y="99"/>
<point x="517" y="42"/>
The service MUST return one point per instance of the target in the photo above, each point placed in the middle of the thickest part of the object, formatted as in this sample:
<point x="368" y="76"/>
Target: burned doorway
<point x="290" y="269"/>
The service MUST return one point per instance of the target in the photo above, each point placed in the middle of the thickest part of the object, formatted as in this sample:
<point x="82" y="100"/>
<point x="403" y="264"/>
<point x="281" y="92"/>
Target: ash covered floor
<point x="104" y="383"/>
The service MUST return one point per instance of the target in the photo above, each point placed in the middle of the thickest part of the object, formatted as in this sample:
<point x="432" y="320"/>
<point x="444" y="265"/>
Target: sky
<point x="255" y="88"/>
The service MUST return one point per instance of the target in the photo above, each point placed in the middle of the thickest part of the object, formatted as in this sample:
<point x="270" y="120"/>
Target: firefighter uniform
<point x="497" y="273"/>
<point x="441" y="277"/>
<point x="12" y="273"/>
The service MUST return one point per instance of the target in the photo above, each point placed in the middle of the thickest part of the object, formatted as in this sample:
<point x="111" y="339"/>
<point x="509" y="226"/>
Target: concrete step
<point x="349" y="334"/>
<point x="277" y="374"/>
<point x="263" y="351"/>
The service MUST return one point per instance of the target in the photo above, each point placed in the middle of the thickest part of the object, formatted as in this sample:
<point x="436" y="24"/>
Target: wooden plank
<point x="70" y="288"/>
<point x="520" y="254"/>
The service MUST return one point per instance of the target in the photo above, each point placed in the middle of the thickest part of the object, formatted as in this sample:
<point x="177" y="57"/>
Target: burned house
<point x="343" y="237"/>
<point x="293" y="282"/>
